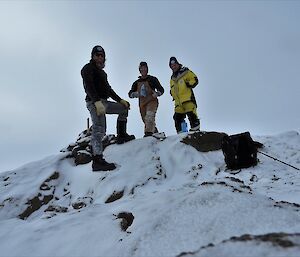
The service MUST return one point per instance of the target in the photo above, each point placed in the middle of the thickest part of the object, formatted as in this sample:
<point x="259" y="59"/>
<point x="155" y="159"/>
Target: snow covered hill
<point x="164" y="199"/>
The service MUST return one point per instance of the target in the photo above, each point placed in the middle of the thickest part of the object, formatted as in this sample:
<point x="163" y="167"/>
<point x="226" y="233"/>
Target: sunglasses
<point x="99" y="54"/>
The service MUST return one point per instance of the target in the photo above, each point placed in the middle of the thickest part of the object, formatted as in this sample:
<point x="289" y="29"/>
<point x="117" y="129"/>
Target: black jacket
<point x="95" y="83"/>
<point x="153" y="82"/>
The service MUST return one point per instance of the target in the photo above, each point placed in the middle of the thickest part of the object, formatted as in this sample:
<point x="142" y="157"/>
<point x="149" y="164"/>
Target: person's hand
<point x="100" y="108"/>
<point x="134" y="95"/>
<point x="156" y="94"/>
<point x="187" y="84"/>
<point x="125" y="103"/>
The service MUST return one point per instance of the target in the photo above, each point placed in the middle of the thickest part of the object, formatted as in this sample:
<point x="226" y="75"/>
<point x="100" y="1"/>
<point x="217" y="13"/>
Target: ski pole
<point x="278" y="160"/>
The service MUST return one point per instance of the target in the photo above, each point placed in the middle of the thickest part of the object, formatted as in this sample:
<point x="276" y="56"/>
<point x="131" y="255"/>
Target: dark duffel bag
<point x="240" y="151"/>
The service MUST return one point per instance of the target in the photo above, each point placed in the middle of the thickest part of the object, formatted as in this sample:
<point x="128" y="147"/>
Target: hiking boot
<point x="196" y="128"/>
<point x="194" y="121"/>
<point x="148" y="134"/>
<point x="100" y="164"/>
<point x="121" y="139"/>
<point x="122" y="136"/>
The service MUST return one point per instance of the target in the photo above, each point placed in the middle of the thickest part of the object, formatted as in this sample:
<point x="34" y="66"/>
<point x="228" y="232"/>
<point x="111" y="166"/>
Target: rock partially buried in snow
<point x="81" y="150"/>
<point x="267" y="245"/>
<point x="205" y="141"/>
<point x="126" y="220"/>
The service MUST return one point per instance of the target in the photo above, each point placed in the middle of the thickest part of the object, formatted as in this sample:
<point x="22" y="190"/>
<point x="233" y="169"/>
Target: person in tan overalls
<point x="147" y="88"/>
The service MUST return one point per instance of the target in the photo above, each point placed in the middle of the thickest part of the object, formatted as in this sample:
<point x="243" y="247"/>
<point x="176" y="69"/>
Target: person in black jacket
<point x="98" y="91"/>
<point x="147" y="88"/>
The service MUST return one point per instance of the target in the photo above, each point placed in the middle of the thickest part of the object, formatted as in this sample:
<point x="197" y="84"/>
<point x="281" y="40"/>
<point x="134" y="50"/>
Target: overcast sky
<point x="245" y="53"/>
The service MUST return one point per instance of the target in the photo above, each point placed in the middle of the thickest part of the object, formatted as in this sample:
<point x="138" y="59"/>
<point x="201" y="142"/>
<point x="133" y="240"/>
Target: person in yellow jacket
<point x="182" y="83"/>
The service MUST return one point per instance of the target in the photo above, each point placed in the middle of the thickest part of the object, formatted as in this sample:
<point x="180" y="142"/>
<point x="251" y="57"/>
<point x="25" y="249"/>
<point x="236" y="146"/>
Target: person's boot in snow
<point x="100" y="164"/>
<point x="148" y="134"/>
<point x="194" y="121"/>
<point x="122" y="136"/>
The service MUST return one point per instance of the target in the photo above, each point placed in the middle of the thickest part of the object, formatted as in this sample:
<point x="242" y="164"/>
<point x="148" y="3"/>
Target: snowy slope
<point x="164" y="199"/>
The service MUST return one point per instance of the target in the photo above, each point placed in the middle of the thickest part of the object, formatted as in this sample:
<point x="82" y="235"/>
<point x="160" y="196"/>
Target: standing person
<point x="182" y="83"/>
<point x="147" y="88"/>
<point x="98" y="91"/>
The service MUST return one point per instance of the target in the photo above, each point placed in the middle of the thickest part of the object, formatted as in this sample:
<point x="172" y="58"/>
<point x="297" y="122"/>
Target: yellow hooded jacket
<point x="181" y="84"/>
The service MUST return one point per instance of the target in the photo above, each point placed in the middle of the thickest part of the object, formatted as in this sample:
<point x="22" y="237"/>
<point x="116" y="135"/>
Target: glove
<point x="125" y="103"/>
<point x="156" y="94"/>
<point x="100" y="108"/>
<point x="187" y="84"/>
<point x="134" y="95"/>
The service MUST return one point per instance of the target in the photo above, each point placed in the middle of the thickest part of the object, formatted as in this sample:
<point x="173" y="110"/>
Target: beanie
<point x="173" y="60"/>
<point x="143" y="64"/>
<point x="98" y="49"/>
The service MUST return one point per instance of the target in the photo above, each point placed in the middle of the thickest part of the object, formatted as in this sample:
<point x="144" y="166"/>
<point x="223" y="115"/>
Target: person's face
<point x="99" y="58"/>
<point x="143" y="71"/>
<point x="174" y="66"/>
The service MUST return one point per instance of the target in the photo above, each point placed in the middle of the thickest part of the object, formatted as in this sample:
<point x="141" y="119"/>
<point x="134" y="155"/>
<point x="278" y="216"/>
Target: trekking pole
<point x="88" y="125"/>
<point x="278" y="160"/>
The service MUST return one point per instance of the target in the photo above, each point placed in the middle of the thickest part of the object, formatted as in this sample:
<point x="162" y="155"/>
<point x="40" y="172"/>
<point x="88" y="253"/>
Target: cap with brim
<point x="173" y="60"/>
<point x="98" y="49"/>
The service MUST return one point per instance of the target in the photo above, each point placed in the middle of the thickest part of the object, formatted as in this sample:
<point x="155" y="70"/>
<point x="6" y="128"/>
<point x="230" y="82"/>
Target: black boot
<point x="178" y="119"/>
<point x="122" y="136"/>
<point x="100" y="164"/>
<point x="194" y="121"/>
<point x="148" y="134"/>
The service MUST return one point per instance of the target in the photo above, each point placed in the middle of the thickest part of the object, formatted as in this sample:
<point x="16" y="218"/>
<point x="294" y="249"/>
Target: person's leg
<point x="98" y="129"/>
<point x="178" y="119"/>
<point x="143" y="114"/>
<point x="116" y="108"/>
<point x="194" y="121"/>
<point x="150" y="124"/>
<point x="122" y="111"/>
<point x="191" y="110"/>
<point x="98" y="132"/>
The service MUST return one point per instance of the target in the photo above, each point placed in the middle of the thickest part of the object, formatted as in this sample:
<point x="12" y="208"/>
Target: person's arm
<point x="118" y="99"/>
<point x="191" y="79"/>
<point x="114" y="95"/>
<point x="158" y="86"/>
<point x="133" y="91"/>
<point x="89" y="84"/>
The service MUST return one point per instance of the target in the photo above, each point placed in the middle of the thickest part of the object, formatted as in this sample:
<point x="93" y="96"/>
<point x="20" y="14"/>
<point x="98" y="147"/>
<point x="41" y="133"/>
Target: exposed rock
<point x="115" y="196"/>
<point x="205" y="141"/>
<point x="109" y="140"/>
<point x="126" y="219"/>
<point x="82" y="202"/>
<point x="44" y="186"/>
<point x="41" y="199"/>
<point x="82" y="157"/>
<point x="281" y="240"/>
<point x="81" y="150"/>
<point x="277" y="239"/>
<point x="34" y="204"/>
<point x="79" y="205"/>
<point x="54" y="208"/>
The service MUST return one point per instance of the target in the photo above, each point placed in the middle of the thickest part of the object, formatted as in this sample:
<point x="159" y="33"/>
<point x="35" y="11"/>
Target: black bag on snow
<point x="240" y="151"/>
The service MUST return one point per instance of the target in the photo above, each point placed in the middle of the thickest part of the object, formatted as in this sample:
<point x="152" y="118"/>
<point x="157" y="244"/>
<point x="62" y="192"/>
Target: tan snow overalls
<point x="148" y="106"/>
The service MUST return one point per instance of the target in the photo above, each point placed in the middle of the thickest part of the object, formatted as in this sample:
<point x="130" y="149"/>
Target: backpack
<point x="240" y="151"/>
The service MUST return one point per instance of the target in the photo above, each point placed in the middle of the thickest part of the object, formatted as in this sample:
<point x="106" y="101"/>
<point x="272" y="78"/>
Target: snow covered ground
<point x="164" y="199"/>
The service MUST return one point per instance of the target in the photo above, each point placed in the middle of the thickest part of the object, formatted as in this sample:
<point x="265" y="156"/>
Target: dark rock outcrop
<point x="81" y="150"/>
<point x="205" y="141"/>
<point x="126" y="220"/>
